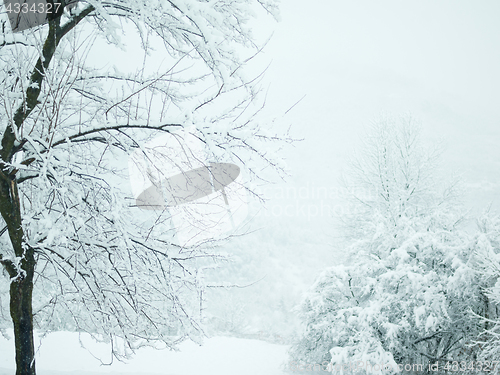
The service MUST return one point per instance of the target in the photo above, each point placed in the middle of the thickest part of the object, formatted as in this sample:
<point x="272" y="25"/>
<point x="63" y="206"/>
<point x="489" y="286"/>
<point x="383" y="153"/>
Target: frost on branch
<point x="71" y="117"/>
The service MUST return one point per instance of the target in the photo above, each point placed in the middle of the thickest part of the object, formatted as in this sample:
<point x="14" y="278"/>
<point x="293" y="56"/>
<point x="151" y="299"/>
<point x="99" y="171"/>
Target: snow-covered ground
<point x="61" y="353"/>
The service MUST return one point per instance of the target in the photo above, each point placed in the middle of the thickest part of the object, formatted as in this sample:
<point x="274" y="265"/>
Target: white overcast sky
<point x="357" y="59"/>
<point x="354" y="60"/>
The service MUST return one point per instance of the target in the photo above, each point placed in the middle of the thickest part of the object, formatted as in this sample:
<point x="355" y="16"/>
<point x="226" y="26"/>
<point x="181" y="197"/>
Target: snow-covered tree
<point x="487" y="263"/>
<point x="405" y="293"/>
<point x="75" y="248"/>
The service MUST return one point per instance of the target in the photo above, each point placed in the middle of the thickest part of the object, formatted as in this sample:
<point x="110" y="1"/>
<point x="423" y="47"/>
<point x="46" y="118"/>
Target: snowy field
<point x="61" y="353"/>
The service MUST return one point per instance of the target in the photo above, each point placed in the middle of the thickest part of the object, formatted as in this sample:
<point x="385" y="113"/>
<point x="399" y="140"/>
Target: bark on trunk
<point x="21" y="273"/>
<point x="22" y="316"/>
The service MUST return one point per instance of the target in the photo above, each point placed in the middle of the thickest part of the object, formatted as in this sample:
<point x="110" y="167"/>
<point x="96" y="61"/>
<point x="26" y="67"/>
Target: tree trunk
<point x="21" y="275"/>
<point x="22" y="316"/>
<point x="21" y="271"/>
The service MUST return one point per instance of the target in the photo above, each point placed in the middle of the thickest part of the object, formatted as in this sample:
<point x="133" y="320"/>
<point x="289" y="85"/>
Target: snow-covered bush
<point x="405" y="293"/>
<point x="487" y="263"/>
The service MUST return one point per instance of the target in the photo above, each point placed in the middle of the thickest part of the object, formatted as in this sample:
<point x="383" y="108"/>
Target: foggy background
<point x="348" y="64"/>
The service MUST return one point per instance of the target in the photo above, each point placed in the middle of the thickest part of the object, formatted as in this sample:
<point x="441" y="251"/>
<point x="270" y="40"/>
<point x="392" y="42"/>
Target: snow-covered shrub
<point x="405" y="294"/>
<point x="487" y="263"/>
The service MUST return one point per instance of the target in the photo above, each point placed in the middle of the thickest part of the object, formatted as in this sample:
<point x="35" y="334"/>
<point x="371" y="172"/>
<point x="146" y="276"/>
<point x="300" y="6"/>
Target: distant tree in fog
<point x="406" y="293"/>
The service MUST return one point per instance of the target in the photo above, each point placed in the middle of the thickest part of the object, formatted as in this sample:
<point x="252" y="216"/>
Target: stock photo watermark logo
<point x="204" y="199"/>
<point x="27" y="14"/>
<point x="311" y="202"/>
